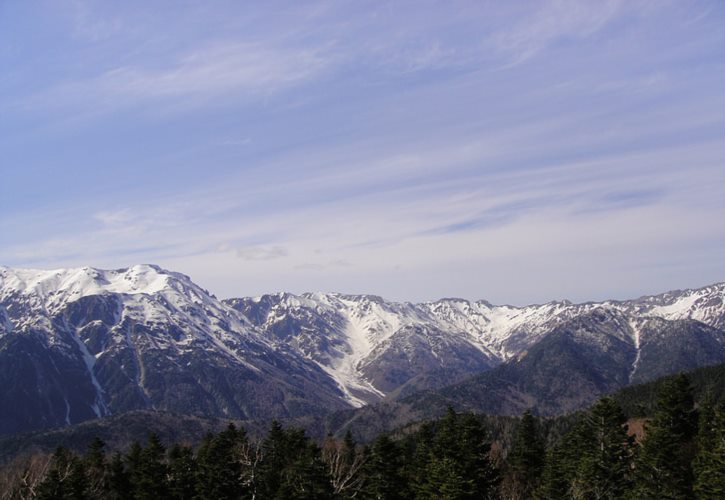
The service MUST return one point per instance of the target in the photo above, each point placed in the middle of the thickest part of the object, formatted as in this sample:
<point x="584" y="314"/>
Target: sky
<point x="518" y="152"/>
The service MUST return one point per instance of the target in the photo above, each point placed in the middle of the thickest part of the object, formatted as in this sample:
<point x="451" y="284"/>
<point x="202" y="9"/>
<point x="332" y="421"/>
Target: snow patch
<point x="98" y="406"/>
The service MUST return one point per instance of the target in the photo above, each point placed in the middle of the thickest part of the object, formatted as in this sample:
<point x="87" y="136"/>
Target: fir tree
<point x="458" y="460"/>
<point x="220" y="470"/>
<point x="383" y="471"/>
<point x="664" y="466"/>
<point x="555" y="482"/>
<point x="149" y="474"/>
<point x="182" y="473"/>
<point x="119" y="482"/>
<point x="65" y="479"/>
<point x="709" y="465"/>
<point x="96" y="469"/>
<point x="604" y="467"/>
<point x="526" y="459"/>
<point x="291" y="467"/>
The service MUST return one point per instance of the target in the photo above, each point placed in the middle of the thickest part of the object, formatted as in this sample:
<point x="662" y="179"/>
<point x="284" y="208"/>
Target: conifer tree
<point x="182" y="473"/>
<point x="526" y="459"/>
<point x="96" y="469"/>
<point x="291" y="467"/>
<point x="65" y="479"/>
<point x="383" y="471"/>
<point x="709" y="465"/>
<point x="119" y="482"/>
<point x="149" y="474"/>
<point x="605" y="465"/>
<point x="663" y="469"/>
<point x="220" y="471"/>
<point x="555" y="482"/>
<point x="458" y="460"/>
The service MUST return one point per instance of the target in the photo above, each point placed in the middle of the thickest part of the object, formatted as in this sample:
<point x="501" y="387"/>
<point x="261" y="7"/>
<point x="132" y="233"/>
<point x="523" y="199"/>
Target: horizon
<point x="523" y="152"/>
<point x="386" y="299"/>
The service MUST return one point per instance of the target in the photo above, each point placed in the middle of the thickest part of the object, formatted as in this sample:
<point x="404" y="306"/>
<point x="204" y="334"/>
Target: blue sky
<point x="513" y="151"/>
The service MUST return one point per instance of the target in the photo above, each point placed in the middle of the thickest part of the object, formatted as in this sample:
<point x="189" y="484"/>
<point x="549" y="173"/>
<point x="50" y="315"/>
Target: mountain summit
<point x="84" y="343"/>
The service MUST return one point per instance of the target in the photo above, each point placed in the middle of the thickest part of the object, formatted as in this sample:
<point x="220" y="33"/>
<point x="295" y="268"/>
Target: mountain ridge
<point x="90" y="342"/>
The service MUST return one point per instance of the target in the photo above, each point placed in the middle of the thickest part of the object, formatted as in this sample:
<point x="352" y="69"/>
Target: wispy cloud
<point x="242" y="71"/>
<point x="261" y="253"/>
<point x="407" y="149"/>
<point x="551" y="22"/>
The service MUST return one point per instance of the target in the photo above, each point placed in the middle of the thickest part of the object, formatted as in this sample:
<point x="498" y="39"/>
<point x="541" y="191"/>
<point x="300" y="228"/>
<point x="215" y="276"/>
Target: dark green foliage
<point x="182" y="472"/>
<point x="605" y="464"/>
<point x="96" y="469"/>
<point x="150" y="473"/>
<point x="453" y="459"/>
<point x="386" y="479"/>
<point x="65" y="479"/>
<point x="664" y="466"/>
<point x="119" y="481"/>
<point x="219" y="474"/>
<point x="709" y="466"/>
<point x="291" y="467"/>
<point x="594" y="460"/>
<point x="583" y="455"/>
<point x="526" y="460"/>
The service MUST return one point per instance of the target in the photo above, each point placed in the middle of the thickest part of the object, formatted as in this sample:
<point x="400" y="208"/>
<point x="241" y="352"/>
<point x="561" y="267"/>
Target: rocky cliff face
<point x="374" y="348"/>
<point x="87" y="343"/>
<point x="81" y="343"/>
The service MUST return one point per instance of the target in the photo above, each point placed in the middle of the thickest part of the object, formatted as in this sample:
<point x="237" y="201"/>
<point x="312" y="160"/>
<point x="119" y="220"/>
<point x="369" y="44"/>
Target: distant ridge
<point x="77" y="344"/>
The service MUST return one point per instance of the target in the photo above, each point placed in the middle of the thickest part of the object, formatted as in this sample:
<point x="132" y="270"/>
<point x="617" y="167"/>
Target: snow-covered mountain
<point x="81" y="343"/>
<point x="373" y="347"/>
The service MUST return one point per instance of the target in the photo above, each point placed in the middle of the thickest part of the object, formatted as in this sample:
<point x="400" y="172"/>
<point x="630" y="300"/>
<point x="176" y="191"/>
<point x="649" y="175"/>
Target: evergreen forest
<point x="678" y="452"/>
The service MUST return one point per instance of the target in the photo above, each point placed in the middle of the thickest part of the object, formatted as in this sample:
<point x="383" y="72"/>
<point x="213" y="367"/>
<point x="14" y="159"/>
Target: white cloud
<point x="261" y="253"/>
<point x="550" y="21"/>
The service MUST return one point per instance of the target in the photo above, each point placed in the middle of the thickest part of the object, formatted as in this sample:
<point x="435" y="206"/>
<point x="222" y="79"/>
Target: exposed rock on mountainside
<point x="373" y="347"/>
<point x="81" y="343"/>
<point x="87" y="343"/>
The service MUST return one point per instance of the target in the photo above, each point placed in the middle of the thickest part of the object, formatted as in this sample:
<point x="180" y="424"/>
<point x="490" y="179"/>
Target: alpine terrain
<point x="77" y="344"/>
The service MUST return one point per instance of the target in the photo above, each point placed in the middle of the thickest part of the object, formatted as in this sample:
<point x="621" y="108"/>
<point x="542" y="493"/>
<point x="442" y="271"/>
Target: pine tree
<point x="182" y="473"/>
<point x="709" y="465"/>
<point x="119" y="482"/>
<point x="65" y="479"/>
<point x="457" y="460"/>
<point x="604" y="467"/>
<point x="220" y="471"/>
<point x="291" y="467"/>
<point x="526" y="459"/>
<point x="383" y="471"/>
<point x="663" y="469"/>
<point x="148" y="473"/>
<point x="96" y="469"/>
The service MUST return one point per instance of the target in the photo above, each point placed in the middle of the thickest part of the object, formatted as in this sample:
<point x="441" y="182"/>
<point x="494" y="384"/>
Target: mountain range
<point x="77" y="344"/>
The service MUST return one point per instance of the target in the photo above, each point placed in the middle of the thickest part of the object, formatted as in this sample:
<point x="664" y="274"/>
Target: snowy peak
<point x="64" y="285"/>
<point x="364" y="341"/>
<point x="703" y="304"/>
<point x="106" y="341"/>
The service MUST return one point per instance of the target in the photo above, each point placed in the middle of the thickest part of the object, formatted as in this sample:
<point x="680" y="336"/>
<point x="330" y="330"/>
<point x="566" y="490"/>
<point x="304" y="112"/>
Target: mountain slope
<point x="77" y="344"/>
<point x="86" y="343"/>
<point x="577" y="362"/>
<point x="375" y="348"/>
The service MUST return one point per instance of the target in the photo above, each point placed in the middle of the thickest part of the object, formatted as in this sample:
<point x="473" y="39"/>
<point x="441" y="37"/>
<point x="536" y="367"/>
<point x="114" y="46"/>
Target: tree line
<point x="682" y="455"/>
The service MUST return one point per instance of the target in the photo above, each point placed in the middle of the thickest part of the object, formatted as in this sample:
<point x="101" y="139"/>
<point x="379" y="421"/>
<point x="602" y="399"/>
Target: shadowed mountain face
<point x="589" y="356"/>
<point x="376" y="348"/>
<point x="82" y="343"/>
<point x="89" y="343"/>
